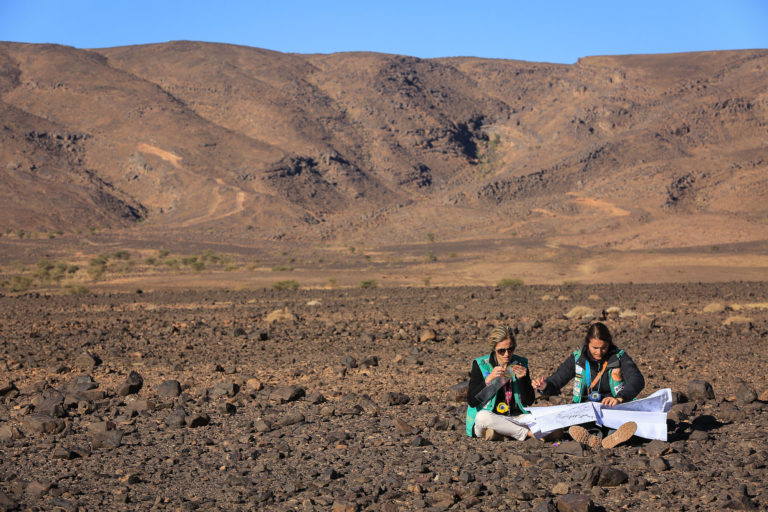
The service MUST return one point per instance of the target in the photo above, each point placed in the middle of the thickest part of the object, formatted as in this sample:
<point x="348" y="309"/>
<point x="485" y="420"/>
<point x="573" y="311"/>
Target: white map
<point x="649" y="413"/>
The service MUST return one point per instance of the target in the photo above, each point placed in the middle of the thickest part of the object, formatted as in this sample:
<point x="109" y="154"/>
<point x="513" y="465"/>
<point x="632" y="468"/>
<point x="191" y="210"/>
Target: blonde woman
<point x="499" y="390"/>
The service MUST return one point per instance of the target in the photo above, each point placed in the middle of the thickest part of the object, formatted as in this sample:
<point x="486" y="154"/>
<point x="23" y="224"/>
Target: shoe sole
<point x="491" y="435"/>
<point x="622" y="434"/>
<point x="582" y="435"/>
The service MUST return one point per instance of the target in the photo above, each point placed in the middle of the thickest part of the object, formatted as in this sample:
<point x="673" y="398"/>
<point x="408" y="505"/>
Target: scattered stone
<point x="575" y="503"/>
<point x="657" y="448"/>
<point x="427" y="335"/>
<point x="286" y="394"/>
<point x="393" y="398"/>
<point x="137" y="406"/>
<point x="7" y="503"/>
<point x="611" y="477"/>
<point x="226" y="408"/>
<point x="253" y="384"/>
<point x="178" y="419"/>
<point x="764" y="396"/>
<point x="544" y="506"/>
<point x="700" y="390"/>
<point x="225" y="388"/>
<point x="198" y="420"/>
<point x="570" y="448"/>
<point x="6" y="386"/>
<point x="51" y="403"/>
<point x="580" y="312"/>
<point x="132" y="385"/>
<point x="369" y="362"/>
<point x="87" y="361"/>
<point x="745" y="394"/>
<point x="561" y="488"/>
<point x="659" y="464"/>
<point x="291" y="418"/>
<point x="9" y="433"/>
<point x="109" y="439"/>
<point x="99" y="427"/>
<point x="349" y="362"/>
<point x="280" y="315"/>
<point x="262" y="426"/>
<point x="63" y="453"/>
<point x="316" y="398"/>
<point x="169" y="388"/>
<point x="42" y="424"/>
<point x="403" y="427"/>
<point x="714" y="307"/>
<point x="36" y="489"/>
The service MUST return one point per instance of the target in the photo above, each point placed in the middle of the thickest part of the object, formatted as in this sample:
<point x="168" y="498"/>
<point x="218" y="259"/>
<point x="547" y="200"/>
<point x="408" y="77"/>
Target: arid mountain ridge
<point x="625" y="152"/>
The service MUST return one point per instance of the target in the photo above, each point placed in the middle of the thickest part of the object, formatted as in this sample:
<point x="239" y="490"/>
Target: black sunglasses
<point x="502" y="351"/>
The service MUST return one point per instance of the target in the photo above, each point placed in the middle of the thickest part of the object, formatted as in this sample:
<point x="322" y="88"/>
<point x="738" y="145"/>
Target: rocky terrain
<point x="350" y="400"/>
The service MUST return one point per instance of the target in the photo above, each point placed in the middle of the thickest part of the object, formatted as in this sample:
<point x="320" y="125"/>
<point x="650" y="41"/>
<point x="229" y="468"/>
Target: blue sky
<point x="553" y="31"/>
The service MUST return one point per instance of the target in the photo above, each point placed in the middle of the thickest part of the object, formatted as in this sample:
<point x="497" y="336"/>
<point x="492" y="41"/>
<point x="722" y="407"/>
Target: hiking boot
<point x="491" y="435"/>
<point x="582" y="435"/>
<point x="622" y="434"/>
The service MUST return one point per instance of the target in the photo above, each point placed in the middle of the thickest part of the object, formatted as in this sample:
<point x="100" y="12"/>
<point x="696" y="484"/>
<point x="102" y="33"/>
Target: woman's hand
<point x="519" y="370"/>
<point x="497" y="372"/>
<point x="610" y="401"/>
<point x="539" y="384"/>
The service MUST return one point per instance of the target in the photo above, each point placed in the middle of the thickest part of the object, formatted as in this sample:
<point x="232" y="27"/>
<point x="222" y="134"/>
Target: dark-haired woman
<point x="499" y="391"/>
<point x="602" y="373"/>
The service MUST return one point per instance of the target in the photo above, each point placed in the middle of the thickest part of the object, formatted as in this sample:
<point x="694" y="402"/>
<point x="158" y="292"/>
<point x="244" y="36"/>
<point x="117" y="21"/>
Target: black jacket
<point x="633" y="379"/>
<point x="477" y="384"/>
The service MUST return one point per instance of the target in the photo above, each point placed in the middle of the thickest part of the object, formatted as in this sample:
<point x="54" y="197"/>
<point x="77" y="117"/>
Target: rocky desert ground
<point x="350" y="399"/>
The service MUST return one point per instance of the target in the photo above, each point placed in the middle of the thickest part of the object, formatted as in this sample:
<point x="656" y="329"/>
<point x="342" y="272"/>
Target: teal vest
<point x="486" y="368"/>
<point x="581" y="381"/>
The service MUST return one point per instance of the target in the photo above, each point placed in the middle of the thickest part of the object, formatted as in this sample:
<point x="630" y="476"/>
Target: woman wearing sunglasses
<point x="499" y="390"/>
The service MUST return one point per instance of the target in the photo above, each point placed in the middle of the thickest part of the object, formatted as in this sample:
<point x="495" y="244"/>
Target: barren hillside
<point x="178" y="139"/>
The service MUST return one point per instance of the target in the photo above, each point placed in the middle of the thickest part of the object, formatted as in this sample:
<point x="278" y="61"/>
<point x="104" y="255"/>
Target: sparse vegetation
<point x="369" y="283"/>
<point x="509" y="283"/>
<point x="332" y="282"/>
<point x="285" y="285"/>
<point x="20" y="284"/>
<point x="431" y="237"/>
<point x="426" y="281"/>
<point x="282" y="268"/>
<point x="77" y="289"/>
<point x="430" y="257"/>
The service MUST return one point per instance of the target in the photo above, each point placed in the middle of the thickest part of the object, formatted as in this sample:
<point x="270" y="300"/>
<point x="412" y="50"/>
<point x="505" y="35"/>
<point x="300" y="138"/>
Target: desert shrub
<point x="285" y="285"/>
<point x="332" y="282"/>
<point x="509" y="283"/>
<point x="77" y="289"/>
<point x="369" y="283"/>
<point x="429" y="257"/>
<point x="431" y="237"/>
<point x="426" y="281"/>
<point x="282" y="268"/>
<point x="20" y="284"/>
<point x="121" y="255"/>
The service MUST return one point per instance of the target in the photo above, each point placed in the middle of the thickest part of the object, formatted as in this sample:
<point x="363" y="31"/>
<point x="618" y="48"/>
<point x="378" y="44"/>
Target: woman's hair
<point x="501" y="333"/>
<point x="599" y="331"/>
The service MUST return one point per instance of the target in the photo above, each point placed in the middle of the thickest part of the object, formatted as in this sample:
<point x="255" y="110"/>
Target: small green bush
<point x="20" y="284"/>
<point x="369" y="283"/>
<point x="510" y="283"/>
<point x="282" y="268"/>
<point x="77" y="289"/>
<point x="285" y="285"/>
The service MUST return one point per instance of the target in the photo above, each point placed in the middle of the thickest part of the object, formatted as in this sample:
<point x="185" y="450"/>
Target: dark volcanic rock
<point x="458" y="392"/>
<point x="575" y="503"/>
<point x="745" y="394"/>
<point x="169" y="388"/>
<point x="42" y="424"/>
<point x="108" y="439"/>
<point x="287" y="394"/>
<point x="611" y="477"/>
<point x="198" y="420"/>
<point x="700" y="390"/>
<point x="393" y="398"/>
<point x="132" y="385"/>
